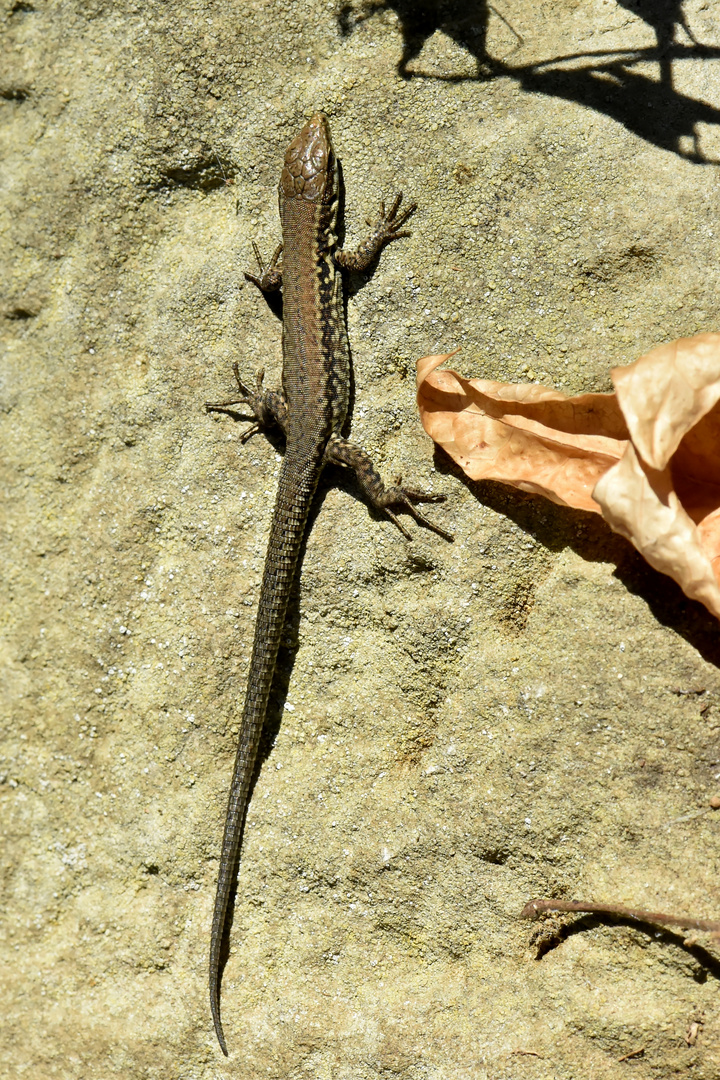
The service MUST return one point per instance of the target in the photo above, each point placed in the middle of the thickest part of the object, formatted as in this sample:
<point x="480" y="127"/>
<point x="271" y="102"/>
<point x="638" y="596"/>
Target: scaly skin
<point x="311" y="410"/>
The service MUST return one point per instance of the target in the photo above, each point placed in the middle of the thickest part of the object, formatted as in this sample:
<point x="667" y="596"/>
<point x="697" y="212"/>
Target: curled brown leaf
<point x="645" y="457"/>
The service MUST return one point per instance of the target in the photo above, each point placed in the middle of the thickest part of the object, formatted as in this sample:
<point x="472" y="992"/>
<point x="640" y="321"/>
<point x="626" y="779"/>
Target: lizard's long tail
<point x="298" y="480"/>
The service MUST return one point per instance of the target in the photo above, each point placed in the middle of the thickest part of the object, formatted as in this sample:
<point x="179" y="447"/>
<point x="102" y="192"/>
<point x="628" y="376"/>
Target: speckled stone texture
<point x="456" y="729"/>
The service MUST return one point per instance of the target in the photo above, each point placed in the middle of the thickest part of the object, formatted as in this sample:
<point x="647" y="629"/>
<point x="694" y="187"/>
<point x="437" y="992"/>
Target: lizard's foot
<point x="267" y="406"/>
<point x="270" y="278"/>
<point x="341" y="452"/>
<point x="390" y="223"/>
<point x="388" y="228"/>
<point x="406" y="498"/>
<point x="248" y="397"/>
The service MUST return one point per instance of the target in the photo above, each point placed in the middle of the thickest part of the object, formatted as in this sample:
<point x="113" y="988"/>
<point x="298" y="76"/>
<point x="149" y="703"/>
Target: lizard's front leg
<point x="341" y="452"/>
<point x="389" y="227"/>
<point x="270" y="279"/>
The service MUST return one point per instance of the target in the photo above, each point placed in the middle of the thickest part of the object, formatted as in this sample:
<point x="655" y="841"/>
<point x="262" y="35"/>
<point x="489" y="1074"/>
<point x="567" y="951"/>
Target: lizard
<point x="311" y="409"/>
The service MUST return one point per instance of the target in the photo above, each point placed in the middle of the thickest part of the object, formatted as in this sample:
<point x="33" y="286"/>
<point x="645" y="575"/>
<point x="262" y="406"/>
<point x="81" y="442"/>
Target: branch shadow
<point x="709" y="965"/>
<point x="465" y="21"/>
<point x="650" y="108"/>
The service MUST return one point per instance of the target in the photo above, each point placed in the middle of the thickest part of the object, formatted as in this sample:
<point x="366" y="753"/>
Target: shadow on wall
<point x="665" y="17"/>
<point x="666" y="947"/>
<point x="607" y="82"/>
<point x="465" y="21"/>
<point x="556" y="528"/>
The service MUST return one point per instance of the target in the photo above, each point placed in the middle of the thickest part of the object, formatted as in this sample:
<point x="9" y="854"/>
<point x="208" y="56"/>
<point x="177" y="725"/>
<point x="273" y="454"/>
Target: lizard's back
<point x="316" y="359"/>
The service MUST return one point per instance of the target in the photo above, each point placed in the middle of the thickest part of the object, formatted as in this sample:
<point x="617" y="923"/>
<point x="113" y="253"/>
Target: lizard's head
<point x="310" y="171"/>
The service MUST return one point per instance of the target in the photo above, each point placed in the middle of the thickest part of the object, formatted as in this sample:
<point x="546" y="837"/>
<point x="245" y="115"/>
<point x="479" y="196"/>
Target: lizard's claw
<point x="267" y="407"/>
<point x="270" y="278"/>
<point x="254" y="401"/>
<point x="407" y="497"/>
<point x="391" y="224"/>
<point x="246" y="399"/>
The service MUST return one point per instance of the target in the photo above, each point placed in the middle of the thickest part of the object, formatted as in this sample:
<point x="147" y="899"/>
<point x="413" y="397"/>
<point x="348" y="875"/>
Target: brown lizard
<point x="311" y="409"/>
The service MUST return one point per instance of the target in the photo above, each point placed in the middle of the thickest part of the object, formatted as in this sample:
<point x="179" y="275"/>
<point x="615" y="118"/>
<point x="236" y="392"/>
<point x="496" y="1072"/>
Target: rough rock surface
<point x="529" y="711"/>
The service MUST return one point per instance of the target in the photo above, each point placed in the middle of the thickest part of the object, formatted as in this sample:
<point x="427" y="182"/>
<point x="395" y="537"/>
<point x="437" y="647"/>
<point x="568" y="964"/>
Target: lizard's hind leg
<point x="341" y="452"/>
<point x="267" y="406"/>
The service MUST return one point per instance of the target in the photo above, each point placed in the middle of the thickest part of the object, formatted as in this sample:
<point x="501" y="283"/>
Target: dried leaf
<point x="646" y="456"/>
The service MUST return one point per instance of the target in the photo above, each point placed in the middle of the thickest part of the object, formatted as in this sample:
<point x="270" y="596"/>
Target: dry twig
<point x="535" y="908"/>
<point x="633" y="1054"/>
